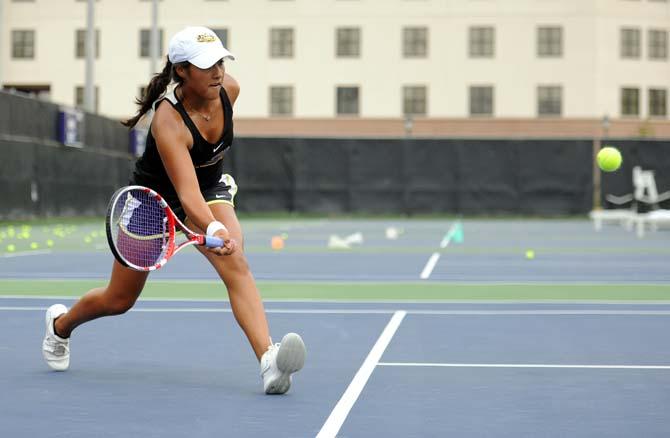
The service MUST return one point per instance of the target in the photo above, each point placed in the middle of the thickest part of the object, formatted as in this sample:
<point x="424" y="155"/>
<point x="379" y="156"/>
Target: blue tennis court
<point x="183" y="368"/>
<point x="569" y="343"/>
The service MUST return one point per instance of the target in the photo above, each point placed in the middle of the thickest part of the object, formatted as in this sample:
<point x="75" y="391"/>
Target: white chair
<point x="653" y="219"/>
<point x="645" y="192"/>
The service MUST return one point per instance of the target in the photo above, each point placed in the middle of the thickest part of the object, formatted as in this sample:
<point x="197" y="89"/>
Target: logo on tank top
<point x="218" y="147"/>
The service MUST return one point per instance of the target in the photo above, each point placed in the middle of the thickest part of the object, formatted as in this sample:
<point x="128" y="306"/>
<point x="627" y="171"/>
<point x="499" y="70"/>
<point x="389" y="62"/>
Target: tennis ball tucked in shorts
<point x="223" y="191"/>
<point x="609" y="159"/>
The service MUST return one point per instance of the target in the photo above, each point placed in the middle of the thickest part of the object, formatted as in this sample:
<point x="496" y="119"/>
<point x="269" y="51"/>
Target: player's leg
<point x="120" y="294"/>
<point x="233" y="269"/>
<point x="278" y="361"/>
<point x="125" y="286"/>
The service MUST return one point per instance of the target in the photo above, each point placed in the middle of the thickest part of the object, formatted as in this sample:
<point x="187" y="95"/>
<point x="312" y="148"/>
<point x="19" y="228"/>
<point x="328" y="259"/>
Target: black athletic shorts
<point x="223" y="192"/>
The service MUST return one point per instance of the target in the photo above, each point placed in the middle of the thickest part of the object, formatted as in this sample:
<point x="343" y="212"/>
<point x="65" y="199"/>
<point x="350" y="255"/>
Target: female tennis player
<point x="191" y="128"/>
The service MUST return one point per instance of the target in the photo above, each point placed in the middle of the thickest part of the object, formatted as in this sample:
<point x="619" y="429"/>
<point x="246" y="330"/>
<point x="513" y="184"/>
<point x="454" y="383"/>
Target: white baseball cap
<point x="198" y="45"/>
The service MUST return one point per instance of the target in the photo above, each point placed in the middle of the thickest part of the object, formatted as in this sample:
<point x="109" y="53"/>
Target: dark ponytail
<point x="155" y="89"/>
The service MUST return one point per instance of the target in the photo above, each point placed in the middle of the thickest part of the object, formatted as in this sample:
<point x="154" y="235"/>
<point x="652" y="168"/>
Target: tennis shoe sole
<point x="290" y="359"/>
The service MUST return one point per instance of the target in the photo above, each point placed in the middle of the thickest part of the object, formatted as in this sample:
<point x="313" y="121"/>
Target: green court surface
<point x="354" y="291"/>
<point x="558" y="240"/>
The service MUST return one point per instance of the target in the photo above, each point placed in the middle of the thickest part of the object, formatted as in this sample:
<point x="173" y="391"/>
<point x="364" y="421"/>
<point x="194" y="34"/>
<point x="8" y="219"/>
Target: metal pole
<point x="597" y="191"/>
<point x="153" y="39"/>
<point x="89" y="90"/>
<point x="2" y="41"/>
<point x="598" y="142"/>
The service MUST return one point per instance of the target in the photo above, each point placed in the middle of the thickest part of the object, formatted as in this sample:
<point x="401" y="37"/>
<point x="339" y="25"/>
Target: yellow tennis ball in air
<point x="50" y="243"/>
<point x="34" y="245"/>
<point x="11" y="248"/>
<point x="530" y="254"/>
<point x="609" y="159"/>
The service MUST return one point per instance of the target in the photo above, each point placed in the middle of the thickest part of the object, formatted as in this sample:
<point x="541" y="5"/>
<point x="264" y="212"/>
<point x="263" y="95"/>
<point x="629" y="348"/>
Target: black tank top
<point x="207" y="157"/>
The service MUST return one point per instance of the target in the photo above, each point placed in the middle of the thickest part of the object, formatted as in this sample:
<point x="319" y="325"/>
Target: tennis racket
<point x="142" y="229"/>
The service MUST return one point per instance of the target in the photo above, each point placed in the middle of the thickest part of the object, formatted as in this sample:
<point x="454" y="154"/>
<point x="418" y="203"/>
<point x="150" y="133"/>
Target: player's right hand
<point x="229" y="244"/>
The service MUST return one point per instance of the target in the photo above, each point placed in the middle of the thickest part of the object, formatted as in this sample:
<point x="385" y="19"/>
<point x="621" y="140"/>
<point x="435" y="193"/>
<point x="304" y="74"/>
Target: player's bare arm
<point x="232" y="87"/>
<point x="173" y="140"/>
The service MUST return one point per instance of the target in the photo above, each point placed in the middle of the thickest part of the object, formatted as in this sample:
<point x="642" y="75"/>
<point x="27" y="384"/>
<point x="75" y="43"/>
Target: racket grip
<point x="213" y="242"/>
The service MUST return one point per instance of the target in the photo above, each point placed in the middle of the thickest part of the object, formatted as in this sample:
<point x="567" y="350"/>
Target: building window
<point x="145" y="37"/>
<point x="79" y="98"/>
<point x="281" y="101"/>
<point x="23" y="44"/>
<point x="658" y="102"/>
<point x="630" y="102"/>
<point x="482" y="42"/>
<point x="481" y="100"/>
<point x="415" y="42"/>
<point x="348" y="42"/>
<point x="281" y="43"/>
<point x="222" y="33"/>
<point x="630" y="43"/>
<point x="347" y="101"/>
<point x="80" y="48"/>
<point x="415" y="100"/>
<point x="658" y="44"/>
<point x="549" y="100"/>
<point x="550" y="42"/>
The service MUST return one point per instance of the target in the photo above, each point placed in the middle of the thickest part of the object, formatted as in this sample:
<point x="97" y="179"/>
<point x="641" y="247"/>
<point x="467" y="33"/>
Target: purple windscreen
<point x="139" y="228"/>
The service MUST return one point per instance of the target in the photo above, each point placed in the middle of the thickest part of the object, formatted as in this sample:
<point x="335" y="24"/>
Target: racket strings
<point x="140" y="230"/>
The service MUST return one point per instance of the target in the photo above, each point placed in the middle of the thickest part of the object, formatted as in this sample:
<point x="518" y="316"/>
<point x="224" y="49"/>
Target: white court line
<point x="356" y="282"/>
<point x="26" y="253"/>
<point x="445" y="301"/>
<point x="334" y="422"/>
<point x="568" y="312"/>
<point x="557" y="312"/>
<point x="225" y="310"/>
<point x="430" y="265"/>
<point x="432" y="261"/>
<point x="523" y="365"/>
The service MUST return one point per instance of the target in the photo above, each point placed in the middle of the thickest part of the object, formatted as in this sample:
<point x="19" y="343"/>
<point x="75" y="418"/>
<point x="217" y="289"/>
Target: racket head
<point x="140" y="228"/>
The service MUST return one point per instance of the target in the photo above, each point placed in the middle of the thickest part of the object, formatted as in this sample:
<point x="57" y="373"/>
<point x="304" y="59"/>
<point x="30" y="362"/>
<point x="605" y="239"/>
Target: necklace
<point x="190" y="109"/>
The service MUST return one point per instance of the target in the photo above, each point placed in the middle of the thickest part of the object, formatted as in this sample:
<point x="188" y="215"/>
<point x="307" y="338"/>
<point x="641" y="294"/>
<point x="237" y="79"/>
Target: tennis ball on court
<point x="34" y="245"/>
<point x="530" y="254"/>
<point x="609" y="159"/>
<point x="391" y="233"/>
<point x="277" y="243"/>
<point x="11" y="248"/>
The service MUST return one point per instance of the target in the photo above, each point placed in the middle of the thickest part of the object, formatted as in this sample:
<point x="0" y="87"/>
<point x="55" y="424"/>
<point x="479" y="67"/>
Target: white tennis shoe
<point x="56" y="350"/>
<point x="280" y="361"/>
